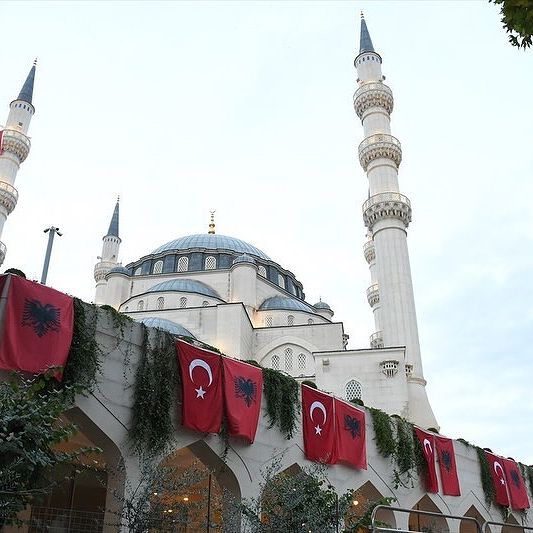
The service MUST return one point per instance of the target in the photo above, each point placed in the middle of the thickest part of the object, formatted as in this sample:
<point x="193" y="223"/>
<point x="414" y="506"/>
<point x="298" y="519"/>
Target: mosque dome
<point x="119" y="270"/>
<point x="244" y="258"/>
<point x="285" y="303"/>
<point x="322" y="305"/>
<point x="167" y="325"/>
<point x="184" y="285"/>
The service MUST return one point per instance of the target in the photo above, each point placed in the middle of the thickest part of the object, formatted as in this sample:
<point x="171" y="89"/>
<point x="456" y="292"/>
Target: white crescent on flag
<point x="497" y="466"/>
<point x="201" y="363"/>
<point x="427" y="447"/>
<point x="320" y="406"/>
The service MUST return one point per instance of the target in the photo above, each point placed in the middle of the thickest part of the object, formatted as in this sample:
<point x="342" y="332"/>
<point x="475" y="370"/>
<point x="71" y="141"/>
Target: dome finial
<point x="362" y="14"/>
<point x="35" y="62"/>
<point x="212" y="222"/>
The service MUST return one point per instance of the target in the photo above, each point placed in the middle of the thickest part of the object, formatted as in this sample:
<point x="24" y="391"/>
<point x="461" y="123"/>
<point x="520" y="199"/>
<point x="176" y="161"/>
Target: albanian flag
<point x="428" y="444"/>
<point x="243" y="386"/>
<point x="498" y="478"/>
<point x="37" y="328"/>
<point x="201" y="373"/>
<point x="515" y="484"/>
<point x="318" y="426"/>
<point x="447" y="466"/>
<point x="350" y="434"/>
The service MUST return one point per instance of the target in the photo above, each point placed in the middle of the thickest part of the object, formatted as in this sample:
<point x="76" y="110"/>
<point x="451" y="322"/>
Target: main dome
<point x="210" y="241"/>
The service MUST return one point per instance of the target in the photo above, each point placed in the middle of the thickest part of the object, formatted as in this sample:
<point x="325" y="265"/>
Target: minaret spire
<point x="211" y="230"/>
<point x="365" y="43"/>
<point x="26" y="93"/>
<point x="113" y="225"/>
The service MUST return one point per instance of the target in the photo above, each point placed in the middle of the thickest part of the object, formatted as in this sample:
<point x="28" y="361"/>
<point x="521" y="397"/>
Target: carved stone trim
<point x="8" y="196"/>
<point x="372" y="94"/>
<point x="369" y="251"/>
<point x="387" y="205"/>
<point x="17" y="143"/>
<point x="372" y="294"/>
<point x="408" y="369"/>
<point x="376" y="340"/>
<point x="3" y="251"/>
<point x="101" y="269"/>
<point x="380" y="145"/>
<point x="389" y="367"/>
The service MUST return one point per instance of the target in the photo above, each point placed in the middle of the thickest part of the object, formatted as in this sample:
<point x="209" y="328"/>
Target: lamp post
<point x="52" y="230"/>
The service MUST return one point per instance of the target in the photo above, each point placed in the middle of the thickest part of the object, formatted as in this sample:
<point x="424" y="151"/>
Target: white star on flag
<point x="318" y="430"/>
<point x="200" y="392"/>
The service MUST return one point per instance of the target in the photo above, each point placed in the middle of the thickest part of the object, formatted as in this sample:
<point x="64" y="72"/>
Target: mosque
<point x="228" y="293"/>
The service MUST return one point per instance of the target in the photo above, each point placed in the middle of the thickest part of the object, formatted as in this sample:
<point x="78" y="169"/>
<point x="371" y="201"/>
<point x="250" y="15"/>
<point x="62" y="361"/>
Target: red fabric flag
<point x="243" y="387"/>
<point x="318" y="425"/>
<point x="350" y="434"/>
<point x="498" y="478"/>
<point x="447" y="466"/>
<point x="515" y="484"/>
<point x="201" y="373"/>
<point x="428" y="443"/>
<point x="37" y="328"/>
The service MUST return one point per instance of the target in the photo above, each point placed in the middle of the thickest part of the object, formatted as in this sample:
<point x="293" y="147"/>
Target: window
<point x="205" y="303"/>
<point x="160" y="303"/>
<point x="158" y="267"/>
<point x="275" y="362"/>
<point x="281" y="281"/>
<point x="290" y="320"/>
<point x="354" y="390"/>
<point x="302" y="361"/>
<point x="288" y="359"/>
<point x="268" y="321"/>
<point x="210" y="262"/>
<point x="183" y="264"/>
<point x="183" y="302"/>
<point x="140" y="305"/>
<point x="310" y="321"/>
<point x="262" y="271"/>
<point x="137" y="271"/>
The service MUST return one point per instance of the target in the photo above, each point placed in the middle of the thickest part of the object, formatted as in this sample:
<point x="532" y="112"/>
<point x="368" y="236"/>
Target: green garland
<point x="282" y="402"/>
<point x="384" y="436"/>
<point x="486" y="477"/>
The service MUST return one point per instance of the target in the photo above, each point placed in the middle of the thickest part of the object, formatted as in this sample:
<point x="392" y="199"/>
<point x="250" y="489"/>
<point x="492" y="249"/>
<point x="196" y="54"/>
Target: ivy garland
<point x="486" y="477"/>
<point x="384" y="436"/>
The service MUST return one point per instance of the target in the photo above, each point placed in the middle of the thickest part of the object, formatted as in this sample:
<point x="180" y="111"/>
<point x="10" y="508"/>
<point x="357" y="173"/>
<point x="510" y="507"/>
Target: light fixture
<point x="169" y="511"/>
<point x="355" y="502"/>
<point x="155" y="493"/>
<point x="185" y="498"/>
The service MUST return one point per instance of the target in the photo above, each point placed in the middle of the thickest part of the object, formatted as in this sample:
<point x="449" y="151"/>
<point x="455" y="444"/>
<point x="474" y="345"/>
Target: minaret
<point x="387" y="214"/>
<point x="14" y="148"/>
<point x="109" y="257"/>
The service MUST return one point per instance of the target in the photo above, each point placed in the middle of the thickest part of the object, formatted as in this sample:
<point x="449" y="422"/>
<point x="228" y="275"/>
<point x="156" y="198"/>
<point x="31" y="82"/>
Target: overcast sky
<point x="246" y="108"/>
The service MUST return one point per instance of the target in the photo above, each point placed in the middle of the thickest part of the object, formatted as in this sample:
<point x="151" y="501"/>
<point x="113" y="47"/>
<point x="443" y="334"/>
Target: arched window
<point x="268" y="321"/>
<point x="302" y="361"/>
<point x="183" y="264"/>
<point x="288" y="359"/>
<point x="281" y="281"/>
<point x="140" y="305"/>
<point x="290" y="320"/>
<point x="137" y="271"/>
<point x="275" y="362"/>
<point x="262" y="271"/>
<point x="210" y="262"/>
<point x="205" y="303"/>
<point x="160" y="303"/>
<point x="158" y="267"/>
<point x="183" y="302"/>
<point x="310" y="321"/>
<point x="354" y="390"/>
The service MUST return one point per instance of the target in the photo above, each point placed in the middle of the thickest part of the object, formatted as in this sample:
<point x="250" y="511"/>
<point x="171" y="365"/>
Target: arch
<point x="302" y="361"/>
<point x="140" y="305"/>
<point x="210" y="262"/>
<point x="262" y="271"/>
<point x="427" y="523"/>
<point x="288" y="359"/>
<point x="158" y="267"/>
<point x="512" y="520"/>
<point x="274" y="362"/>
<point x="469" y="527"/>
<point x="290" y="320"/>
<point x="183" y="302"/>
<point x="160" y="304"/>
<point x="205" y="303"/>
<point x="353" y="390"/>
<point x="183" y="264"/>
<point x="365" y="496"/>
<point x="276" y="343"/>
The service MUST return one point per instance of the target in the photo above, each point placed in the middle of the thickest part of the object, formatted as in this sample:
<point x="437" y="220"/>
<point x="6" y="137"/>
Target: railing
<point x="372" y="289"/>
<point x="377" y="336"/>
<point x="369" y="245"/>
<point x="371" y="86"/>
<point x="16" y="135"/>
<point x="65" y="520"/>
<point x="386" y="197"/>
<point x="4" y="186"/>
<point x="379" y="138"/>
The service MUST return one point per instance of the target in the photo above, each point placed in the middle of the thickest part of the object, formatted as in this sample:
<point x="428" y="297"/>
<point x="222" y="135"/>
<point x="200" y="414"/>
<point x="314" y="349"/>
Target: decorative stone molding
<point x="389" y="367"/>
<point x="17" y="143"/>
<point x="8" y="196"/>
<point x="372" y="94"/>
<point x="376" y="340"/>
<point x="345" y="338"/>
<point x="3" y="251"/>
<point x="387" y="205"/>
<point x="408" y="369"/>
<point x="101" y="269"/>
<point x="369" y="251"/>
<point x="380" y="145"/>
<point x="372" y="294"/>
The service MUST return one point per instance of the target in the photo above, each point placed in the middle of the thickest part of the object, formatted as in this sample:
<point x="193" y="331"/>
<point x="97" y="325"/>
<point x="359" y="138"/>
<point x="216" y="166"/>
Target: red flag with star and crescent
<point x="428" y="444"/>
<point x="515" y="484"/>
<point x="447" y="466"/>
<point x="201" y="381"/>
<point x="37" y="328"/>
<point x="243" y="387"/>
<point x="498" y="478"/>
<point x="318" y="421"/>
<point x="350" y="434"/>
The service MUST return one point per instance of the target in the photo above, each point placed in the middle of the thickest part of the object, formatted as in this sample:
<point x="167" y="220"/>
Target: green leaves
<point x="517" y="19"/>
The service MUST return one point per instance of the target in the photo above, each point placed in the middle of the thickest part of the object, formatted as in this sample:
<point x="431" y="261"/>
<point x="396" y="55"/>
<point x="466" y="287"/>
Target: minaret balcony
<point x="3" y="251"/>
<point x="16" y="143"/>
<point x="371" y="95"/>
<point x="8" y="196"/>
<point x="102" y="268"/>
<point x="387" y="205"/>
<point x="376" y="340"/>
<point x="372" y="295"/>
<point x="380" y="146"/>
<point x="370" y="251"/>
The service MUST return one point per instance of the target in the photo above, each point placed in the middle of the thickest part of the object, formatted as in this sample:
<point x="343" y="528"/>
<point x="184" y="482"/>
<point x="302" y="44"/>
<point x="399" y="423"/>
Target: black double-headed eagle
<point x="42" y="318"/>
<point x="246" y="389"/>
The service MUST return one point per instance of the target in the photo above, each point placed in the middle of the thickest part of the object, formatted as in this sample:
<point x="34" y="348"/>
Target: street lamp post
<point x="52" y="230"/>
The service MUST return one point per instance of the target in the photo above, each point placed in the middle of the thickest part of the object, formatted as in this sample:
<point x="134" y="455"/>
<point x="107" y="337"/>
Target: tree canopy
<point x="517" y="20"/>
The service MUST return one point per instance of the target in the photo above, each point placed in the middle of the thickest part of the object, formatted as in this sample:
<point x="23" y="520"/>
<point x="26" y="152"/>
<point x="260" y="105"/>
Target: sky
<point x="246" y="108"/>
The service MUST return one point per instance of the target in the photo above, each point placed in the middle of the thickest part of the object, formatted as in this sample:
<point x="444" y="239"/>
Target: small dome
<point x="167" y="325"/>
<point x="322" y="305"/>
<point x="283" y="302"/>
<point x="184" y="285"/>
<point x="119" y="270"/>
<point x="244" y="258"/>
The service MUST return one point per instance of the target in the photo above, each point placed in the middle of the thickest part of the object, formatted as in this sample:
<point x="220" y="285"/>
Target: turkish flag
<point x="37" y="327"/>
<point x="318" y="425"/>
<point x="243" y="387"/>
<point x="447" y="466"/>
<point x="428" y="444"/>
<point x="201" y="373"/>
<point x="498" y="478"/>
<point x="515" y="483"/>
<point x="350" y="434"/>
